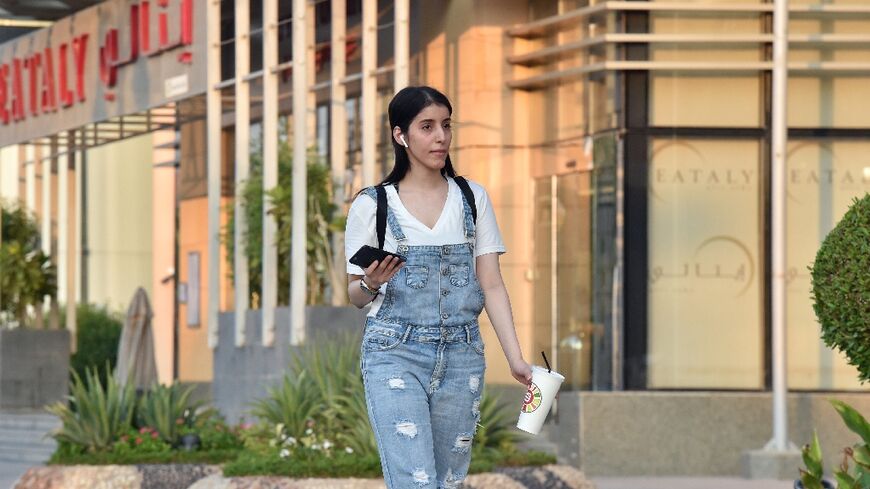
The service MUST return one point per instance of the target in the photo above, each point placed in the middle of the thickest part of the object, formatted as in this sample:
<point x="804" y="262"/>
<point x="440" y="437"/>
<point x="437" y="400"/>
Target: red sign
<point x="53" y="78"/>
<point x="139" y="28"/>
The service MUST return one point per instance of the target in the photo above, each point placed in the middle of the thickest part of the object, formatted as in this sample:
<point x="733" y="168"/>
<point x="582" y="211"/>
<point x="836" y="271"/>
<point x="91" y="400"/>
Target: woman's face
<point x="429" y="137"/>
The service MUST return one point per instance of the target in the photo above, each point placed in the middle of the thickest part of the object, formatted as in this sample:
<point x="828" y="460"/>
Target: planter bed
<point x="195" y="476"/>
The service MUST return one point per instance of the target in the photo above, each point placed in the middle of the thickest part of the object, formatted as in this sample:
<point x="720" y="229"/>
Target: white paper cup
<point x="539" y="399"/>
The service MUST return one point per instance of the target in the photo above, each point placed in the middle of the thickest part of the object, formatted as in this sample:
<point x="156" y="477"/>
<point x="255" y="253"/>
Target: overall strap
<point x="468" y="194"/>
<point x="381" y="216"/>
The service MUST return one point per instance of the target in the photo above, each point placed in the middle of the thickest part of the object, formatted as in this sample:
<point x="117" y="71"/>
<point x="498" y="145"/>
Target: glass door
<point x="563" y="276"/>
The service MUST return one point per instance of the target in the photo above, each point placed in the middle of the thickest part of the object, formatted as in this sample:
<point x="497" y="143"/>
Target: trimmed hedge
<point x="841" y="287"/>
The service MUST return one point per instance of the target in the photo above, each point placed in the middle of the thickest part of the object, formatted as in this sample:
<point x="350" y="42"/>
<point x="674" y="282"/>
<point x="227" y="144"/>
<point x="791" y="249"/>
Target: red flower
<point x="144" y="430"/>
<point x="153" y="435"/>
<point x="138" y="440"/>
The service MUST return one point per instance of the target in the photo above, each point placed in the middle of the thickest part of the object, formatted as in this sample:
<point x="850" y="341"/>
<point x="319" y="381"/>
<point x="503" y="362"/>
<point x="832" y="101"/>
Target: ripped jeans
<point x="423" y="388"/>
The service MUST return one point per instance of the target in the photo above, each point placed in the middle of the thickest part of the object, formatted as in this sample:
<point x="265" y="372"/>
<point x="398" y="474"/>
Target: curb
<point x="196" y="476"/>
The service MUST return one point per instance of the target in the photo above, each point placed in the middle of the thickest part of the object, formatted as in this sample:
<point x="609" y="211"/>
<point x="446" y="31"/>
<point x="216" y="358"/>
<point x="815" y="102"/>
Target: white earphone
<point x="404" y="143"/>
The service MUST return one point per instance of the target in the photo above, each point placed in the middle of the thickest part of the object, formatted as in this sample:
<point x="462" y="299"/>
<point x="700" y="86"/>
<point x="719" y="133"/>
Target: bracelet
<point x="367" y="289"/>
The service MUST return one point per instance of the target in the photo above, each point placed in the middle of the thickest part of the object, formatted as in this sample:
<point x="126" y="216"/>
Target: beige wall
<point x="462" y="54"/>
<point x="119" y="220"/>
<point x="9" y="173"/>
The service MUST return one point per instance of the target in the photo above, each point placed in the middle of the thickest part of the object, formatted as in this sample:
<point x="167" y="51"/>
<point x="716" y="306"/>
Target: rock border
<point x="201" y="476"/>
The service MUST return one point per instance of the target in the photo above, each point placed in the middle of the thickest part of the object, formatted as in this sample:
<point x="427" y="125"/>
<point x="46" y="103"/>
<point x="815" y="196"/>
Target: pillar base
<point x="771" y="464"/>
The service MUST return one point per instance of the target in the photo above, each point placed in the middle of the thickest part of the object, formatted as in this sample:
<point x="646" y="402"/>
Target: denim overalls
<point x="422" y="363"/>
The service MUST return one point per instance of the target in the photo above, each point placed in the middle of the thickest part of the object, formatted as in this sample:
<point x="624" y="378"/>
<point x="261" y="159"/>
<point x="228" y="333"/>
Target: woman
<point x="422" y="354"/>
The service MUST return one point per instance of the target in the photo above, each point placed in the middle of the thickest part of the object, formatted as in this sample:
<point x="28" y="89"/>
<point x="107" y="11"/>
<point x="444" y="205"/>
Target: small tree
<point x="27" y="274"/>
<point x="841" y="300"/>
<point x="841" y="287"/>
<point x="322" y="223"/>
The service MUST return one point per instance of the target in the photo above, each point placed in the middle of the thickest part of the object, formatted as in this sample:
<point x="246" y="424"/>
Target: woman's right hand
<point x="379" y="273"/>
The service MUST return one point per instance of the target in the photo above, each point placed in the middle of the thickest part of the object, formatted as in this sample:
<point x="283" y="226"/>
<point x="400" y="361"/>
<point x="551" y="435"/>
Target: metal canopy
<point x="42" y="9"/>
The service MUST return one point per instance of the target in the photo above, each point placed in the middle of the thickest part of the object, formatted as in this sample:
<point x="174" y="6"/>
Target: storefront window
<point x="705" y="266"/>
<point x="563" y="276"/>
<point x="822" y="180"/>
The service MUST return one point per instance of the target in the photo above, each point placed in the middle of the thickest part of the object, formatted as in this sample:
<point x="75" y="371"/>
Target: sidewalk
<point x="687" y="483"/>
<point x="10" y="472"/>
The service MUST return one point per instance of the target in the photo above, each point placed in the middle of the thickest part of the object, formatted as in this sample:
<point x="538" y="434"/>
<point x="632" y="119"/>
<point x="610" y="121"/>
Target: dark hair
<point x="405" y="105"/>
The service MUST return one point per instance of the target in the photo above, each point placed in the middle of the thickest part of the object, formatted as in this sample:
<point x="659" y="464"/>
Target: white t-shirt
<point x="449" y="228"/>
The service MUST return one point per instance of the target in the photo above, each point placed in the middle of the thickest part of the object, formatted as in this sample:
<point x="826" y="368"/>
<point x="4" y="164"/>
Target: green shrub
<point x="496" y="432"/>
<point x="310" y="465"/>
<point x="96" y="416"/>
<point x="215" y="434"/>
<point x="322" y="392"/>
<point x="167" y="409"/>
<point x="71" y="455"/>
<point x="27" y="274"/>
<point x="841" y="286"/>
<point x="321" y="399"/>
<point x="145" y="440"/>
<point x="323" y="221"/>
<point x="98" y="332"/>
<point x="854" y="471"/>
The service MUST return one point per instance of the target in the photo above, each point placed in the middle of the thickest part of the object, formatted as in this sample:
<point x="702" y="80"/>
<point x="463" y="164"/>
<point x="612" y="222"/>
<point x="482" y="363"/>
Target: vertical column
<point x="30" y="177"/>
<point x="45" y="214"/>
<point x="62" y="260"/>
<point x="213" y="137"/>
<point x="243" y="129"/>
<point x="338" y="132"/>
<point x="400" y="73"/>
<point x="300" y="175"/>
<point x="270" y="168"/>
<point x="369" y="90"/>
<point x="78" y="188"/>
<point x="779" y="140"/>
<point x="68" y="235"/>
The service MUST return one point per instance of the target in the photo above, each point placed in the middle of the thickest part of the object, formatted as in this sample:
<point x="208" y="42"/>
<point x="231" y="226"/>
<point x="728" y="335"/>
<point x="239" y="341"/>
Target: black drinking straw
<point x="549" y="370"/>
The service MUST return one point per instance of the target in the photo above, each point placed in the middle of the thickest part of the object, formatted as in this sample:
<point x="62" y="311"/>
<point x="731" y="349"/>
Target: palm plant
<point x="96" y="415"/>
<point x="292" y="403"/>
<point x="167" y="409"/>
<point x="495" y="431"/>
<point x="26" y="273"/>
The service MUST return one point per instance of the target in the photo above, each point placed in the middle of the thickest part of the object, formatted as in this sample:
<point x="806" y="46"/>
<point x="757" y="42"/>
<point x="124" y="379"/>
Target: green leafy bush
<point x="854" y="471"/>
<point x="215" y="434"/>
<point x="145" y="440"/>
<point x="841" y="286"/>
<point x="304" y="465"/>
<point x="321" y="395"/>
<point x="96" y="416"/>
<point x="323" y="221"/>
<point x="167" y="409"/>
<point x="496" y="432"/>
<point x="27" y="274"/>
<point x="98" y="332"/>
<point x="322" y="400"/>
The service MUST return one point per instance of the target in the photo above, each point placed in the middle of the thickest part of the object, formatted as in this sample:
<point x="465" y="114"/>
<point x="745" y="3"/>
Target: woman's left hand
<point x="521" y="371"/>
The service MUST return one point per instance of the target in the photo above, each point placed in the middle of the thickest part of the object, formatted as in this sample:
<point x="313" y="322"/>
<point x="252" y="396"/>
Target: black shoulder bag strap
<point x="469" y="195"/>
<point x="381" y="216"/>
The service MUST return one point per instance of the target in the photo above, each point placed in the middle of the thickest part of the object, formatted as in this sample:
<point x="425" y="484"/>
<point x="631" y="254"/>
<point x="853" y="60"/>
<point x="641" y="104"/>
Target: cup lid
<point x="544" y="370"/>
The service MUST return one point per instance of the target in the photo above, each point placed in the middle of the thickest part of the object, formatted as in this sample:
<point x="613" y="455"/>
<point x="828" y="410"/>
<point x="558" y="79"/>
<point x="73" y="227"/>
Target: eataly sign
<point x="50" y="79"/>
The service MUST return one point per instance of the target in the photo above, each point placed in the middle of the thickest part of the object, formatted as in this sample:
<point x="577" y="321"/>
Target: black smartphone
<point x="367" y="255"/>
